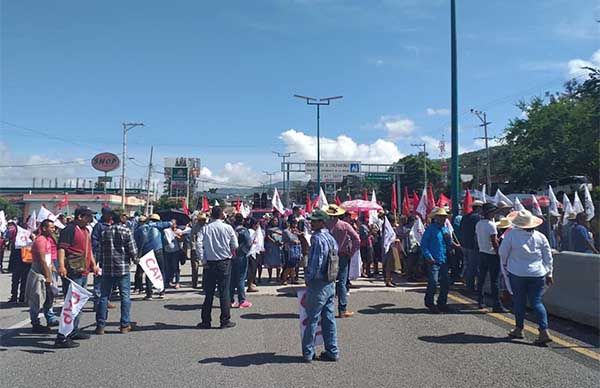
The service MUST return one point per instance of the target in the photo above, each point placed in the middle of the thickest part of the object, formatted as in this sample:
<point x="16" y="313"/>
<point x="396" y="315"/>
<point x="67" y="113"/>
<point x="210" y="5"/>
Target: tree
<point x="413" y="177"/>
<point x="165" y="203"/>
<point x="10" y="210"/>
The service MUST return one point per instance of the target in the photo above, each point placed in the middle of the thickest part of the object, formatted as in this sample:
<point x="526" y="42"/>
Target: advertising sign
<point x="106" y="162"/>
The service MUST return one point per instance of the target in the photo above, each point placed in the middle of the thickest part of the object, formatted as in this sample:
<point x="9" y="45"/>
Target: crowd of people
<point x="513" y="249"/>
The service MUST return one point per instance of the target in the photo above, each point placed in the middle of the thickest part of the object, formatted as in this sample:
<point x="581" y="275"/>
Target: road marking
<point x="533" y="330"/>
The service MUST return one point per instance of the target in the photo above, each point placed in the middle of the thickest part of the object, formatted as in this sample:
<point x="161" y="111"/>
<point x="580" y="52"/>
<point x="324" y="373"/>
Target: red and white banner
<point x="304" y="319"/>
<point x="74" y="302"/>
<point x="152" y="270"/>
<point x="23" y="238"/>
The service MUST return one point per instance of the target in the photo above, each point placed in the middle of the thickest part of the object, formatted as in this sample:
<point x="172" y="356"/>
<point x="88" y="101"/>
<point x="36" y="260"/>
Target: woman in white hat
<point x="525" y="254"/>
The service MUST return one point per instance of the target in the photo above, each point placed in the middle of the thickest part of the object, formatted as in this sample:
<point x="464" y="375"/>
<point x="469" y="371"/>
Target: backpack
<point x="333" y="264"/>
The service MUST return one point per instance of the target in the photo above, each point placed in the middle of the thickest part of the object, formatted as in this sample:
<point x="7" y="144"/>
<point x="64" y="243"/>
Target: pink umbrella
<point x="360" y="205"/>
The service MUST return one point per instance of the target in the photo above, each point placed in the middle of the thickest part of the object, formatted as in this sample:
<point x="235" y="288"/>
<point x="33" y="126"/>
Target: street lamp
<point x="424" y="161"/>
<point x="482" y="116"/>
<point x="270" y="175"/>
<point x="318" y="103"/>
<point x="126" y="128"/>
<point x="286" y="182"/>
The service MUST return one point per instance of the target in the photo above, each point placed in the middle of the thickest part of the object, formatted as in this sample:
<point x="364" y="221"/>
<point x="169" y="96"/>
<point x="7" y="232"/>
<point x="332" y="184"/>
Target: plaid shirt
<point x="117" y="250"/>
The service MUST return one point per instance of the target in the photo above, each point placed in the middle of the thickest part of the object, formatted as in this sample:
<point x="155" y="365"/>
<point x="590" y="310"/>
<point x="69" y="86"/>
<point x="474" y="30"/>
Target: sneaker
<point x="308" y="360"/>
<point x="326" y="357"/>
<point x="148" y="297"/>
<point x="203" y="326"/>
<point x="99" y="330"/>
<point x="53" y="323"/>
<point x="40" y="329"/>
<point x="66" y="343"/>
<point x="227" y="325"/>
<point x="346" y="314"/>
<point x="543" y="338"/>
<point x="126" y="329"/>
<point x="235" y="305"/>
<point x="111" y="305"/>
<point x="245" y="304"/>
<point x="252" y="288"/>
<point x="516" y="333"/>
<point x="161" y="295"/>
<point x="80" y="335"/>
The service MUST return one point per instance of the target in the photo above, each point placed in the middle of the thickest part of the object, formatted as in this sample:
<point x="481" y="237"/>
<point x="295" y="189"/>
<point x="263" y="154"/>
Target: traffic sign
<point x="333" y="171"/>
<point x="379" y="177"/>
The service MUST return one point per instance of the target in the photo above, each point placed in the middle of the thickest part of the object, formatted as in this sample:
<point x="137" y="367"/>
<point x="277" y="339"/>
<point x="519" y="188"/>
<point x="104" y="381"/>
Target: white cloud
<point x="480" y="143"/>
<point x="397" y="127"/>
<point x="575" y="66"/>
<point x="232" y="175"/>
<point x="438" y="112"/>
<point x="340" y="148"/>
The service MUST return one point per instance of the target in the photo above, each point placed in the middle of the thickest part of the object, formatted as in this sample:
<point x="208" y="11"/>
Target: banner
<point x="152" y="270"/>
<point x="22" y="239"/>
<point x="3" y="222"/>
<point x="74" y="302"/>
<point x="43" y="214"/>
<point x="276" y="202"/>
<point x="301" y="293"/>
<point x="355" y="266"/>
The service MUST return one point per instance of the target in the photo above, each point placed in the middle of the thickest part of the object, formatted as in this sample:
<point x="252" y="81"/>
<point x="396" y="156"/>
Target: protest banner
<point x="304" y="319"/>
<point x="74" y="302"/>
<point x="152" y="270"/>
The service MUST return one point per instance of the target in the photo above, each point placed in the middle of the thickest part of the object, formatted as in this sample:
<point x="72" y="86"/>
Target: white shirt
<point x="484" y="230"/>
<point x="218" y="241"/>
<point x="524" y="253"/>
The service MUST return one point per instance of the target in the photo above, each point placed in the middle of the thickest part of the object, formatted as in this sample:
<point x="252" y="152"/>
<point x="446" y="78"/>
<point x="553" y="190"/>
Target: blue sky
<point x="215" y="79"/>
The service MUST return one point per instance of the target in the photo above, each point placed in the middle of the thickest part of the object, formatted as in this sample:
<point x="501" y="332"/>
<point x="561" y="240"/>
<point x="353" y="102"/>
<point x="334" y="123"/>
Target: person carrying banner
<point x="320" y="292"/>
<point x="148" y="237"/>
<point x="118" y="252"/>
<point x="75" y="260"/>
<point x="40" y="296"/>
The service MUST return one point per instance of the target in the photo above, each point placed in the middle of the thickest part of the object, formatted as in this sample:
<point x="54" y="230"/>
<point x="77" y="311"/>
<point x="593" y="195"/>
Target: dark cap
<point x="489" y="208"/>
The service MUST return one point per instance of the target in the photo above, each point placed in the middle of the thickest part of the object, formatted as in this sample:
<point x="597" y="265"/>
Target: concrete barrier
<point x="575" y="294"/>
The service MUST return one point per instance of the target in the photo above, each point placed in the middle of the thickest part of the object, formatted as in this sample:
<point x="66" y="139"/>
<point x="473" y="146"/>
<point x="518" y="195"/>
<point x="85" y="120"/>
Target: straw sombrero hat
<point x="438" y="211"/>
<point x="504" y="223"/>
<point x="334" y="210"/>
<point x="523" y="219"/>
<point x="154" y="217"/>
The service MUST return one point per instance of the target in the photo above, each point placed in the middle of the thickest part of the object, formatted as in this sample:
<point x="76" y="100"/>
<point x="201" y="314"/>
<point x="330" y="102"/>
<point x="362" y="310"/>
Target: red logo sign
<point x="106" y="162"/>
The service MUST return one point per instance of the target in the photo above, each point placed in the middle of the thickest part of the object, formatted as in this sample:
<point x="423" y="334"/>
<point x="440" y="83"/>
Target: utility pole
<point x="318" y="103"/>
<point x="424" y="161"/>
<point x="286" y="179"/>
<point x="484" y="123"/>
<point x="126" y="128"/>
<point x="270" y="175"/>
<point x="149" y="176"/>
<point x="455" y="194"/>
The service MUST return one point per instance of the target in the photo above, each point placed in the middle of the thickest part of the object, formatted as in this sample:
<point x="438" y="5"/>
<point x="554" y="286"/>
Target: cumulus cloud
<point x="397" y="127"/>
<point x="340" y="148"/>
<point x="575" y="67"/>
<point x="480" y="143"/>
<point x="438" y="112"/>
<point x="231" y="175"/>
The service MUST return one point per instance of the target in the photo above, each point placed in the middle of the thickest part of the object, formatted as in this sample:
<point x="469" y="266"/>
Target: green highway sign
<point x="379" y="176"/>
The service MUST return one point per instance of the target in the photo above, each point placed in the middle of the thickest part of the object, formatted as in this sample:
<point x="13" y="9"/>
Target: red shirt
<point x="346" y="237"/>
<point x="73" y="240"/>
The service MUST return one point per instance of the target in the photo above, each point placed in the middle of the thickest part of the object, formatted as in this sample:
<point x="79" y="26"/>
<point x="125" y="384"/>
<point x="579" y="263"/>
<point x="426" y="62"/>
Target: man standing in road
<point x="218" y="243"/>
<point x="118" y="251"/>
<point x="320" y="292"/>
<point x="149" y="238"/>
<point x="348" y="242"/>
<point x="196" y="246"/>
<point x="468" y="241"/>
<point x="99" y="228"/>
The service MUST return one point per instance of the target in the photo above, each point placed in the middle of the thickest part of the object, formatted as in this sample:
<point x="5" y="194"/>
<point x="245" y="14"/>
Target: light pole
<point x="455" y="194"/>
<point x="126" y="128"/>
<point x="424" y="161"/>
<point x="318" y="103"/>
<point x="286" y="180"/>
<point x="270" y="175"/>
<point x="484" y="123"/>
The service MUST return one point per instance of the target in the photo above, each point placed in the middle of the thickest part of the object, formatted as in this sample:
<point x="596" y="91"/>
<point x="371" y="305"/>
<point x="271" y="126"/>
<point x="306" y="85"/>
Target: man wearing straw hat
<point x="434" y="244"/>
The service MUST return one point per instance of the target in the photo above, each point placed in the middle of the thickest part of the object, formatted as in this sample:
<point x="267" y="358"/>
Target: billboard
<point x="181" y="175"/>
<point x="105" y="162"/>
<point x="333" y="171"/>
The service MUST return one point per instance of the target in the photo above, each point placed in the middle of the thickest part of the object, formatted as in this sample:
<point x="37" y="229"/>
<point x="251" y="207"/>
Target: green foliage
<point x="165" y="203"/>
<point x="10" y="210"/>
<point x="413" y="178"/>
<point x="558" y="138"/>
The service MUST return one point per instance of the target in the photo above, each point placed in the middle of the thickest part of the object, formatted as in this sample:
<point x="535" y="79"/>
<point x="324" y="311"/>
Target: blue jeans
<point x="81" y="281"/>
<point x="341" y="284"/>
<point x="320" y="304"/>
<point x="470" y="267"/>
<point x="437" y="273"/>
<point x="124" y="284"/>
<point x="532" y="288"/>
<point x="172" y="264"/>
<point x="239" y="269"/>
<point x="489" y="263"/>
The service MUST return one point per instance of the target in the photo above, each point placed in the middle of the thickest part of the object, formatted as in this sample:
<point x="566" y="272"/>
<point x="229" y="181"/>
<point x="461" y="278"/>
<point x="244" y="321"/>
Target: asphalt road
<point x="391" y="342"/>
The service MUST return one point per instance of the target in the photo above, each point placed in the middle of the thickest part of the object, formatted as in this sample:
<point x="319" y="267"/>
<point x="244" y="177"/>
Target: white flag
<point x="43" y="214"/>
<point x="31" y="222"/>
<point x="3" y="222"/>
<point x="418" y="229"/>
<point x="373" y="219"/>
<point x="74" y="302"/>
<point x="518" y="205"/>
<point x="483" y="194"/>
<point x="589" y="204"/>
<point x="567" y="208"/>
<point x="500" y="197"/>
<point x="22" y="239"/>
<point x="57" y="223"/>
<point x="318" y="340"/>
<point x="389" y="236"/>
<point x="152" y="270"/>
<point x="322" y="203"/>
<point x="449" y="226"/>
<point x="276" y="202"/>
<point x="577" y="205"/>
<point x="553" y="202"/>
<point x="422" y="206"/>
<point x="245" y="210"/>
<point x="535" y="209"/>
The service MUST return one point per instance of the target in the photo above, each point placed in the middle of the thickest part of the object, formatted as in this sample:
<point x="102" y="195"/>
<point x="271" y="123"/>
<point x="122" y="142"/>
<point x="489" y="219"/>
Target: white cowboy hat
<point x="438" y="211"/>
<point x="523" y="219"/>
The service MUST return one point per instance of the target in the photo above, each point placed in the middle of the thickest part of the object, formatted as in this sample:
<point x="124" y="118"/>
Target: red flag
<point x="237" y="205"/>
<point x="416" y="201"/>
<point x="315" y="203"/>
<point x="365" y="195"/>
<point x="337" y="200"/>
<point x="184" y="206"/>
<point x="468" y="203"/>
<point x="308" y="206"/>
<point x="405" y="203"/>
<point x="443" y="201"/>
<point x="63" y="203"/>
<point x="205" y="204"/>
<point x="394" y="199"/>
<point x="430" y="199"/>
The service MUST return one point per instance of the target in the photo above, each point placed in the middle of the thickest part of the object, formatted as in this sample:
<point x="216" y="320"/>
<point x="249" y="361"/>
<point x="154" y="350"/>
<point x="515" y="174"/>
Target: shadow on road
<point x="270" y="316"/>
<point x="245" y="360"/>
<point x="463" y="338"/>
<point x="183" y="307"/>
<point x="23" y="338"/>
<point x="385" y="309"/>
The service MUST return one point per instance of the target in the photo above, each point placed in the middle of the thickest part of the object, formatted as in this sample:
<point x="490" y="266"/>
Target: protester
<point x="348" y="242"/>
<point x="411" y="249"/>
<point x="581" y="238"/>
<point x="435" y="243"/>
<point x="17" y="266"/>
<point x="104" y="223"/>
<point x="391" y="258"/>
<point x="320" y="292"/>
<point x="273" y="248"/>
<point x="218" y="242"/>
<point x="468" y="241"/>
<point x="292" y="249"/>
<point x="239" y="264"/>
<point x="252" y="225"/>
<point x="173" y="255"/>
<point x="138" y="282"/>
<point x="149" y="238"/>
<point x="526" y="256"/>
<point x="3" y="245"/>
<point x="194" y="259"/>
<point x="75" y="260"/>
<point x="40" y="296"/>
<point x="118" y="252"/>
<point x="366" y="246"/>
<point x="567" y="229"/>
